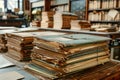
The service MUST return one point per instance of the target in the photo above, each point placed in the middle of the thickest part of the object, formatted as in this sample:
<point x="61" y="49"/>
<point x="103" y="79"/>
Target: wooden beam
<point x="47" y="5"/>
<point x="86" y="11"/>
<point x="69" y="4"/>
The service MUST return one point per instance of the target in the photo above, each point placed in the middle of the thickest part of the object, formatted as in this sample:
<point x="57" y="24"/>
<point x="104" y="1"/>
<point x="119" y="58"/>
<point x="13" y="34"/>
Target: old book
<point x="62" y="20"/>
<point x="47" y="24"/>
<point x="20" y="47"/>
<point x="79" y="24"/>
<point x="60" y="44"/>
<point x="47" y="19"/>
<point x="45" y="69"/>
<point x="41" y="71"/>
<point x="68" y="61"/>
<point x="61" y="59"/>
<point x="19" y="55"/>
<point x="67" y="54"/>
<point x="113" y="13"/>
<point x="23" y="37"/>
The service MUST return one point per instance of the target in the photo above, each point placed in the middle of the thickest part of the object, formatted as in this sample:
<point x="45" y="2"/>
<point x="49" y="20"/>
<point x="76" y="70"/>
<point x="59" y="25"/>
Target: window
<point x="21" y="5"/>
<point x="1" y="5"/>
<point x="11" y="4"/>
<point x="78" y="7"/>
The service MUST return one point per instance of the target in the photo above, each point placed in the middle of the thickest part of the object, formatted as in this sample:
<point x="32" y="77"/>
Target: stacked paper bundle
<point x="3" y="39"/>
<point x="80" y="24"/>
<point x="20" y="44"/>
<point x="3" y="42"/>
<point x="60" y="55"/>
<point x="62" y="20"/>
<point x="47" y="19"/>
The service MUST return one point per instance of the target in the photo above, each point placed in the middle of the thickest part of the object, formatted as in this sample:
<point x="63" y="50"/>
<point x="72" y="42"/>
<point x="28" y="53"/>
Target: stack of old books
<point x="62" y="20"/>
<point x="47" y="19"/>
<point x="60" y="55"/>
<point x="20" y="43"/>
<point x="3" y="39"/>
<point x="3" y="42"/>
<point x="80" y="25"/>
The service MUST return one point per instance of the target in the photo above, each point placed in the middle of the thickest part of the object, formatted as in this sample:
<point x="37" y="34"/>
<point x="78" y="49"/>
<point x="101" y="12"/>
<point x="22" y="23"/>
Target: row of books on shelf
<point x="105" y="27"/>
<point x="57" y="2"/>
<point x="61" y="8"/>
<point x="103" y="4"/>
<point x="94" y="4"/>
<point x="109" y="4"/>
<point x="104" y="16"/>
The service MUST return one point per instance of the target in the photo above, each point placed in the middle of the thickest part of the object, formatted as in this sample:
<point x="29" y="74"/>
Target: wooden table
<point x="17" y="22"/>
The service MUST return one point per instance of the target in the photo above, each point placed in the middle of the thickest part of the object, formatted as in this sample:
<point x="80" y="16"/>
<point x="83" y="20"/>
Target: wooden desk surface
<point x="112" y="35"/>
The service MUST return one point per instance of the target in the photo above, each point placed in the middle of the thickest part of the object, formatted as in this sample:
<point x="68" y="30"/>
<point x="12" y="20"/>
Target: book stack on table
<point x="3" y="39"/>
<point x="47" y="19"/>
<point x="62" y="20"/>
<point x="80" y="25"/>
<point x="20" y="44"/>
<point x="60" y="55"/>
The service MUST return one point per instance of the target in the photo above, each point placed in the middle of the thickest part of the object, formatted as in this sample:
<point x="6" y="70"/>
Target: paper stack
<point x="3" y="42"/>
<point x="20" y="44"/>
<point x="80" y="25"/>
<point x="3" y="39"/>
<point x="47" y="19"/>
<point x="62" y="20"/>
<point x="60" y="55"/>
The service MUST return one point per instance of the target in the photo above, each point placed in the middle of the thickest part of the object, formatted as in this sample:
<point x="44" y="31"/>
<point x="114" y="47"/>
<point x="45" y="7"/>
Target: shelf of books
<point x="104" y="11"/>
<point x="60" y="5"/>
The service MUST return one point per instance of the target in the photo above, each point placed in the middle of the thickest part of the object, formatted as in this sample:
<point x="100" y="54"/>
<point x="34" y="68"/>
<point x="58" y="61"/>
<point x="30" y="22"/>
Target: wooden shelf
<point x="105" y="21"/>
<point x="59" y="5"/>
<point x="103" y="9"/>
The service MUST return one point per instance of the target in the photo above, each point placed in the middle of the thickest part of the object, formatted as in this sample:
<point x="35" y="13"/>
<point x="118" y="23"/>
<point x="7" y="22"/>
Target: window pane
<point x="14" y="4"/>
<point x="1" y="5"/>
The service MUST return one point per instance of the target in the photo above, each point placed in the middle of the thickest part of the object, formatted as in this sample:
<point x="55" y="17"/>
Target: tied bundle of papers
<point x="62" y="20"/>
<point x="20" y="44"/>
<point x="80" y="25"/>
<point x="47" y="19"/>
<point x="60" y="55"/>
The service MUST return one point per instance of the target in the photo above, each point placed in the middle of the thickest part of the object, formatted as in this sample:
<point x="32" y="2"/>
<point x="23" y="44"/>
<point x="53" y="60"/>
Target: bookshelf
<point x="98" y="11"/>
<point x="60" y="5"/>
<point x="57" y="5"/>
<point x="48" y="5"/>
